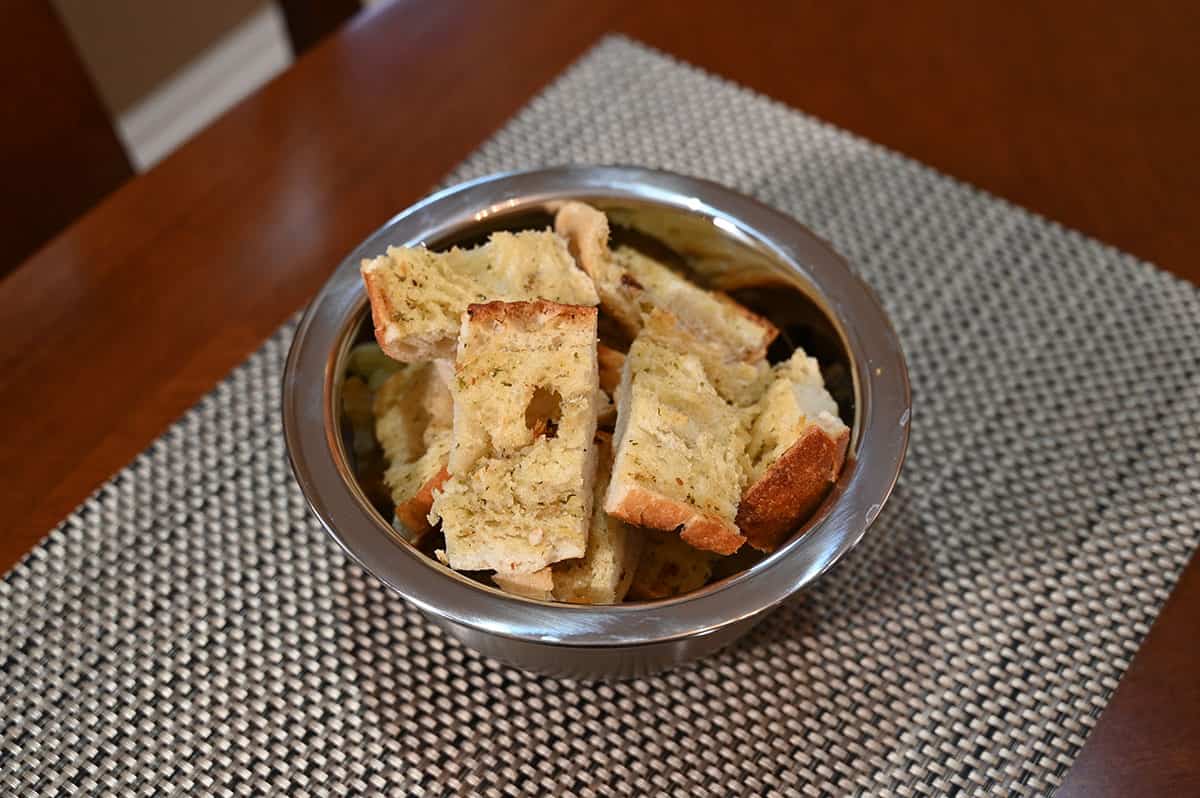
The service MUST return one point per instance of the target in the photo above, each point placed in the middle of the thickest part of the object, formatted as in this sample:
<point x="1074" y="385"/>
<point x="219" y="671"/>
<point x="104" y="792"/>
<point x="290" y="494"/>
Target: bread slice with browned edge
<point x="519" y="496"/>
<point x="630" y="283"/>
<point x="586" y="232"/>
<point x="604" y="573"/>
<point x="711" y="316"/>
<point x="418" y="296"/>
<point x="413" y="418"/>
<point x="680" y="448"/>
<point x="669" y="567"/>
<point x="796" y="451"/>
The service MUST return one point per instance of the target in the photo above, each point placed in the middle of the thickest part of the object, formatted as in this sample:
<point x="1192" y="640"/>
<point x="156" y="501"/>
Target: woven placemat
<point x="191" y="629"/>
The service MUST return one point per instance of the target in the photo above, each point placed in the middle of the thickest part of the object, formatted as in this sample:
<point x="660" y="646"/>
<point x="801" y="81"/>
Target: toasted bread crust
<point x="382" y="312"/>
<point x="586" y="232"/>
<point x="712" y="534"/>
<point x="792" y="488"/>
<point x="530" y="311"/>
<point x="381" y="307"/>
<point x="769" y="330"/>
<point x="641" y="507"/>
<point x="611" y="362"/>
<point x="414" y="513"/>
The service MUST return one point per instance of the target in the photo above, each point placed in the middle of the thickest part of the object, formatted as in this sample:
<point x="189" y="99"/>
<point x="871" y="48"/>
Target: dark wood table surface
<point x="1085" y="112"/>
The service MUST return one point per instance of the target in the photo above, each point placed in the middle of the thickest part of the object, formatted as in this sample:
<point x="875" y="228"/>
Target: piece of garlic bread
<point x="679" y="448"/>
<point x="418" y="296"/>
<point x="796" y="450"/>
<point x="711" y="316"/>
<point x="522" y="468"/>
<point x="668" y="567"/>
<point x="604" y="573"/>
<point x="413" y="418"/>
<point x="586" y="232"/>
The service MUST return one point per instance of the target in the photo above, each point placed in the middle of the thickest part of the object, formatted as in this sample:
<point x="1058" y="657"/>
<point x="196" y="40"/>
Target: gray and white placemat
<point x="190" y="629"/>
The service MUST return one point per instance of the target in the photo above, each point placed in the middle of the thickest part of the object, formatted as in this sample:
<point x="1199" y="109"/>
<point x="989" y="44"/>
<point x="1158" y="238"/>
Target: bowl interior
<point x="716" y="256"/>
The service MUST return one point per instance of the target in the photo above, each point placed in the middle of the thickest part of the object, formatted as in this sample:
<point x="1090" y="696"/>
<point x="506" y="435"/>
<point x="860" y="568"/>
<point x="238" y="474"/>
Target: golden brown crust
<point x="641" y="507"/>
<point x="523" y="312"/>
<point x="611" y="362"/>
<point x="769" y="330"/>
<point x="382" y="311"/>
<point x="414" y="513"/>
<point x="712" y="534"/>
<point x="792" y="488"/>
<point x="586" y="232"/>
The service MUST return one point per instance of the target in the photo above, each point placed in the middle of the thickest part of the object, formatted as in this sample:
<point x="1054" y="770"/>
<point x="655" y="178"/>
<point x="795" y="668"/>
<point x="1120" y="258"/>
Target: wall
<point x="131" y="46"/>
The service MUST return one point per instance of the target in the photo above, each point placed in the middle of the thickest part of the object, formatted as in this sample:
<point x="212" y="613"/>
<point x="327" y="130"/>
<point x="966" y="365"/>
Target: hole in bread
<point x="544" y="412"/>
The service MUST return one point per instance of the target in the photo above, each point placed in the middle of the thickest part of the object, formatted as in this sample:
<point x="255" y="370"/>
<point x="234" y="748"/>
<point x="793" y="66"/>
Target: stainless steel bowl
<point x="767" y="260"/>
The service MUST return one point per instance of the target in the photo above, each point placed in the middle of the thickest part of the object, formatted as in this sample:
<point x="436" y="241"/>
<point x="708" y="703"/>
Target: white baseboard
<point x="237" y="64"/>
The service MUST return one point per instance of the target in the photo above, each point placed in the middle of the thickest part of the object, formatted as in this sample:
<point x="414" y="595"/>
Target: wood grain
<point x="1084" y="112"/>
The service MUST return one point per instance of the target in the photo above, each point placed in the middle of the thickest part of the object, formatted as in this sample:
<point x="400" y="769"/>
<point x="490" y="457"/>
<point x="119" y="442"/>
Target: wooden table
<point x="1086" y="114"/>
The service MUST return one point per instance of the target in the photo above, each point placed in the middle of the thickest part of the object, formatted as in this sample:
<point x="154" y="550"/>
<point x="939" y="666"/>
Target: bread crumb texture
<point x="740" y="383"/>
<point x="677" y="439"/>
<point x="795" y="399"/>
<point x="796" y="451"/>
<point x="604" y="573"/>
<point x="418" y="296"/>
<point x="669" y="567"/>
<point x="491" y="428"/>
<point x="586" y="232"/>
<point x="712" y="318"/>
<point x="413" y="419"/>
<point x="523" y="464"/>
